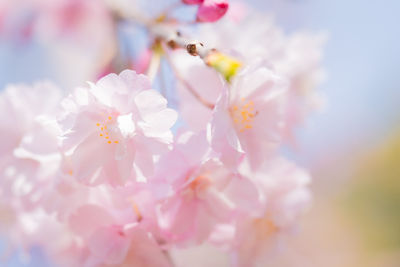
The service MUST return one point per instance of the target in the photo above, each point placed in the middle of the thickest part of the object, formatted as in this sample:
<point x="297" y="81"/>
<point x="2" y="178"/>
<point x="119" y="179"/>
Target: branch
<point x="165" y="31"/>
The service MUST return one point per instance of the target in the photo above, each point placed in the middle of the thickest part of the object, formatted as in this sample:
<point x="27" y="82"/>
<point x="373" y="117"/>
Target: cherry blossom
<point x="285" y="196"/>
<point x="115" y="125"/>
<point x="192" y="2"/>
<point x="107" y="174"/>
<point x="296" y="57"/>
<point x="212" y="10"/>
<point x="249" y="117"/>
<point x="200" y="192"/>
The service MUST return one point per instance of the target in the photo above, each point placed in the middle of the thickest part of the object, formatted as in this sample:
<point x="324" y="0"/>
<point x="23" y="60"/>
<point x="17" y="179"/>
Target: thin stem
<point x="154" y="65"/>
<point x="169" y="258"/>
<point x="168" y="33"/>
<point x="174" y="39"/>
<point x="186" y="84"/>
<point x="162" y="81"/>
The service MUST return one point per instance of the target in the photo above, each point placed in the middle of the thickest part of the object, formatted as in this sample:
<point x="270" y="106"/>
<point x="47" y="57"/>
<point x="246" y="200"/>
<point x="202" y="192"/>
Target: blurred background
<point x="352" y="146"/>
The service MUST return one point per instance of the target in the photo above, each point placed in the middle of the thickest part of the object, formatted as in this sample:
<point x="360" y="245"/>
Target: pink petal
<point x="109" y="244"/>
<point x="212" y="10"/>
<point x="88" y="218"/>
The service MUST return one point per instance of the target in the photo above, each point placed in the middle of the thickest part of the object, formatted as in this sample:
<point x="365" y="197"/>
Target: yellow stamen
<point x="137" y="211"/>
<point x="264" y="227"/>
<point x="243" y="115"/>
<point x="104" y="133"/>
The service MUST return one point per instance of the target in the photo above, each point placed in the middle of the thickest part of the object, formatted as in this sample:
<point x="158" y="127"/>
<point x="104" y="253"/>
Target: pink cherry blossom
<point x="212" y="10"/>
<point x="126" y="246"/>
<point x="105" y="177"/>
<point x="114" y="126"/>
<point x="297" y="57"/>
<point x="192" y="2"/>
<point x="23" y="154"/>
<point x="285" y="196"/>
<point x="204" y="81"/>
<point x="22" y="104"/>
<point x="202" y="193"/>
<point x="249" y="116"/>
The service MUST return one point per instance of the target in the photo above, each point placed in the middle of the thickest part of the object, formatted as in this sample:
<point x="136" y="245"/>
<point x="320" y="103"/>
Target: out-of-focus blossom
<point x="203" y="80"/>
<point x="285" y="195"/>
<point x="79" y="33"/>
<point x="29" y="159"/>
<point x="192" y="2"/>
<point x="117" y="124"/>
<point x="212" y="10"/>
<point x="22" y="104"/>
<point x="143" y="250"/>
<point x="59" y="18"/>
<point x="28" y="119"/>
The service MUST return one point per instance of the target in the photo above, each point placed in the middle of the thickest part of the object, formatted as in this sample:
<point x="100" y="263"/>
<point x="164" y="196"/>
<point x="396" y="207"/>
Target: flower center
<point x="200" y="182"/>
<point x="137" y="211"/>
<point x="104" y="128"/>
<point x="243" y="114"/>
<point x="264" y="228"/>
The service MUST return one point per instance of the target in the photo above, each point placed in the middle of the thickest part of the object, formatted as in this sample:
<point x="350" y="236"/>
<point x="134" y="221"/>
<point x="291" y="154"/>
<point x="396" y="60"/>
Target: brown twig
<point x="166" y="34"/>
<point x="174" y="39"/>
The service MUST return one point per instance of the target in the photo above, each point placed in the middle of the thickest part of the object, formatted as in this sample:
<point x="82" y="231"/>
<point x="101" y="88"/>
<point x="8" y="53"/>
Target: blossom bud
<point x="212" y="10"/>
<point x="192" y="2"/>
<point x="224" y="64"/>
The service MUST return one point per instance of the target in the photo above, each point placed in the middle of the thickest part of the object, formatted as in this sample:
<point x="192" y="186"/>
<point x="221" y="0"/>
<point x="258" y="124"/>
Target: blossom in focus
<point x="106" y="177"/>
<point x="115" y="126"/>
<point x="296" y="57"/>
<point x="200" y="193"/>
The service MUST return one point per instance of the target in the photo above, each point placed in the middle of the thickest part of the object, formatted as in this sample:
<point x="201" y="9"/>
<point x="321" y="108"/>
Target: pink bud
<point x="192" y="2"/>
<point x="212" y="10"/>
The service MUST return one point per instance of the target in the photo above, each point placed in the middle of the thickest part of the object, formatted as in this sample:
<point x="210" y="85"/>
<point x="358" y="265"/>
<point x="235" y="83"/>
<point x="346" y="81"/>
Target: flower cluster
<point x="109" y="174"/>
